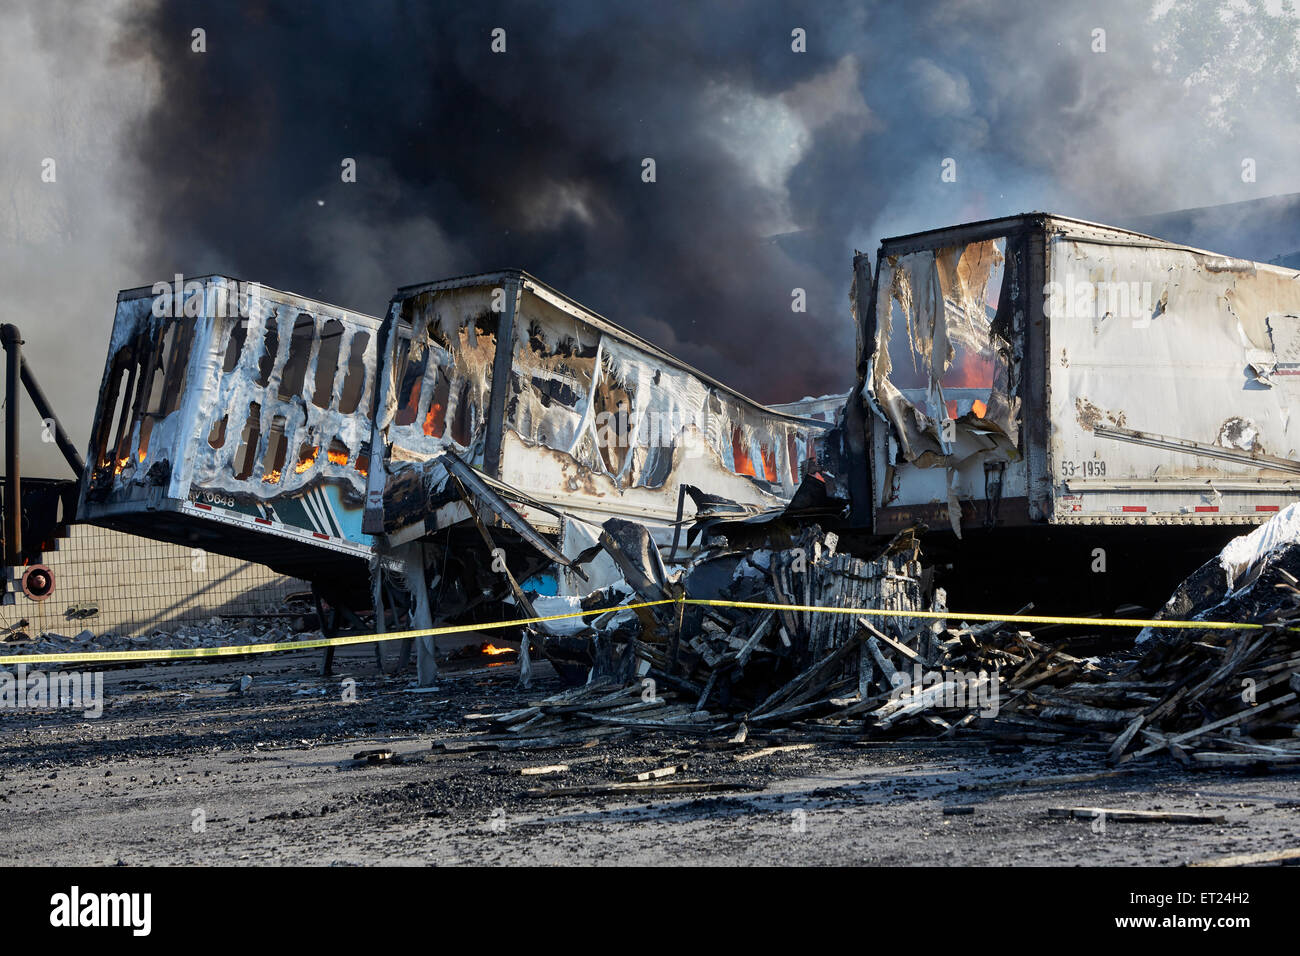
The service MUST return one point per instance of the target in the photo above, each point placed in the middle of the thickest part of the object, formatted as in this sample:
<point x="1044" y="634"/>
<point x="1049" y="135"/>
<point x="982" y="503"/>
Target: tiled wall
<point x="140" y="585"/>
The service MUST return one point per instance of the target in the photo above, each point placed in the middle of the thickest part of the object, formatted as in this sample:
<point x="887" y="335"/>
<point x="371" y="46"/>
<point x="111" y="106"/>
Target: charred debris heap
<point x="1206" y="697"/>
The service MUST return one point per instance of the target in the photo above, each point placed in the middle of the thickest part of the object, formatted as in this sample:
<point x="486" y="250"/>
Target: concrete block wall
<point x="139" y="586"/>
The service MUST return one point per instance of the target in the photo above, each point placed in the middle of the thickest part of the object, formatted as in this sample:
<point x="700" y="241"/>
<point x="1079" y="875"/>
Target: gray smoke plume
<point x="772" y="165"/>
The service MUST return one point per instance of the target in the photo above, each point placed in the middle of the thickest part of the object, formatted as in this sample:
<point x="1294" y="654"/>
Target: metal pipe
<point x="13" y="524"/>
<point x="70" y="453"/>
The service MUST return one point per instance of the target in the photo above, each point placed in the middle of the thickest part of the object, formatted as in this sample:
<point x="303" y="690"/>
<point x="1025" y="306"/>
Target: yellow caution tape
<point x="106" y="657"/>
<point x="1020" y="618"/>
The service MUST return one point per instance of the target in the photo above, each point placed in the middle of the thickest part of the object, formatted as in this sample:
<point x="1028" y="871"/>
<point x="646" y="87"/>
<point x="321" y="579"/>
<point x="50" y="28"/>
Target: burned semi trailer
<point x="550" y="399"/>
<point x="1039" y="379"/>
<point x="236" y="418"/>
<point x="513" y="417"/>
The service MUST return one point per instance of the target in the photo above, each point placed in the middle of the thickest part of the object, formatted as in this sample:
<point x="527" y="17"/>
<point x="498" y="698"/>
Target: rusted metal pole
<point x="13" y="528"/>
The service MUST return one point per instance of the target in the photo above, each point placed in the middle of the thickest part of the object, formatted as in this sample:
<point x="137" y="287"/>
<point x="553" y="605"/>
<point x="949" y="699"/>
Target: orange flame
<point x="143" y="452"/>
<point x="436" y="421"/>
<point x="769" y="461"/>
<point x="306" y="461"/>
<point x="740" y="454"/>
<point x="273" y="478"/>
<point x="492" y="650"/>
<point x="978" y="408"/>
<point x="337" y="457"/>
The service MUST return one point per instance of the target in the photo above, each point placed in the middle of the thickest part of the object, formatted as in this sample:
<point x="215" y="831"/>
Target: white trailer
<point x="1038" y="370"/>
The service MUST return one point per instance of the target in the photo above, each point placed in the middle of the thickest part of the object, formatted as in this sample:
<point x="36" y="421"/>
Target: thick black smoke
<point x="772" y="165"/>
<point x="469" y="160"/>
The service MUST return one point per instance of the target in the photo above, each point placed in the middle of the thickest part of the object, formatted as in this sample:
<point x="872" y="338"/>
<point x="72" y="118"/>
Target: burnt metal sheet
<point x="231" y="403"/>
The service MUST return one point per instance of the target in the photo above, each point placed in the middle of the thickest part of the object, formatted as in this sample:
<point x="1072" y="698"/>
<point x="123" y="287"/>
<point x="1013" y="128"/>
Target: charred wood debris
<point x="733" y="677"/>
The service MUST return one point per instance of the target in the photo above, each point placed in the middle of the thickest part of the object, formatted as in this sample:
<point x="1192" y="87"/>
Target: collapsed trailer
<point x="515" y="418"/>
<point x="1039" y="379"/>
<point x="556" y="403"/>
<point x="460" y="453"/>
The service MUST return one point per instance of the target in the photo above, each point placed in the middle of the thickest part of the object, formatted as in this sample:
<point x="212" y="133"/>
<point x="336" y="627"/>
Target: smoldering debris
<point x="905" y="670"/>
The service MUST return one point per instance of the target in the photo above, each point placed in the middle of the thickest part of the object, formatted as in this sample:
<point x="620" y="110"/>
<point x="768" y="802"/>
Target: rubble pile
<point x="757" y="660"/>
<point x="1223" y="698"/>
<point x="1226" y="697"/>
<point x="1207" y="697"/>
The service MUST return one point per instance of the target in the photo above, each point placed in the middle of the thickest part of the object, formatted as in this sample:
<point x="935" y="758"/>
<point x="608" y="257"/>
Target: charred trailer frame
<point x="236" y="418"/>
<point x="511" y="415"/>
<point x="1038" y="378"/>
<point x="548" y="398"/>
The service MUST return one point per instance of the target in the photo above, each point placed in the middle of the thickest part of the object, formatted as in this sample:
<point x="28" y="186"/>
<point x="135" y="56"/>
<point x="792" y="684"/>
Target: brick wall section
<point x="140" y="586"/>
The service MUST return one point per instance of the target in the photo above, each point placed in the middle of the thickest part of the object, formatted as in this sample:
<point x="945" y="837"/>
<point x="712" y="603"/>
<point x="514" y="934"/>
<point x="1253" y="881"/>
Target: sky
<point x="783" y="137"/>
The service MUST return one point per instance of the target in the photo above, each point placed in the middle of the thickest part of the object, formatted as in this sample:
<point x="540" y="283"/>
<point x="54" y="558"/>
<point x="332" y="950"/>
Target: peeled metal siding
<point x="945" y="381"/>
<point x="593" y="421"/>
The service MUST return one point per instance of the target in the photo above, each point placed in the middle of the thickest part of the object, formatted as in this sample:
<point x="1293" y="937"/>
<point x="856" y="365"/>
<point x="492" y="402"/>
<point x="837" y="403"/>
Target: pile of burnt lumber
<point x="807" y="658"/>
<point x="1228" y="698"/>
<point x="1210" y="698"/>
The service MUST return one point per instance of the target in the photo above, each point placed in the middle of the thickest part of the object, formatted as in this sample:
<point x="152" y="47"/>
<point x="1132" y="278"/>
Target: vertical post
<point x="857" y="423"/>
<point x="505" y="358"/>
<point x="426" y="647"/>
<point x="13" y="528"/>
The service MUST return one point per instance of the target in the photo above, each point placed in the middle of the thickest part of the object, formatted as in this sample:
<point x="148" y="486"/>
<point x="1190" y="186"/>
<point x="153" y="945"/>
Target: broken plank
<point x="544" y="771"/>
<point x="902" y="648"/>
<point x="1126" y="737"/>
<point x="656" y="774"/>
<point x="1135" y="816"/>
<point x="767" y="751"/>
<point x="1277" y="857"/>
<point x="635" y="788"/>
<point x="764" y="623"/>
